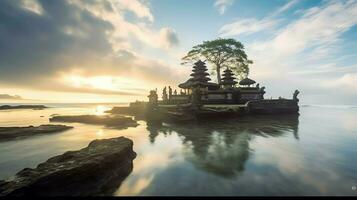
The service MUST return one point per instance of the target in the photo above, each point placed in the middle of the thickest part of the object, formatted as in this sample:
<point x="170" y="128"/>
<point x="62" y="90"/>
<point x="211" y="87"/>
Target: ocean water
<point x="314" y="153"/>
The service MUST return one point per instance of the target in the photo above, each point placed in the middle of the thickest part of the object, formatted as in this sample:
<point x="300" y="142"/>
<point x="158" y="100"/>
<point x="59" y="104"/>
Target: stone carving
<point x="153" y="97"/>
<point x="296" y="93"/>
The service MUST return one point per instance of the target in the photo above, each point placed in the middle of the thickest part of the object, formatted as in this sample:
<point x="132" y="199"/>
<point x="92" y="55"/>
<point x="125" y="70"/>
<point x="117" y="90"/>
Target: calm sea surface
<point x="312" y="154"/>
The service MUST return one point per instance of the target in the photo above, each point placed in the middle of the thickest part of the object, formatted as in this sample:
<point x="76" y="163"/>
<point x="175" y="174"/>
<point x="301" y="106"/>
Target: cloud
<point x="247" y="26"/>
<point x="314" y="36"/>
<point x="306" y="49"/>
<point x="12" y="97"/>
<point x="251" y="25"/>
<point x="32" y="5"/>
<point x="137" y="7"/>
<point x="112" y="11"/>
<point x="222" y="5"/>
<point x="319" y="27"/>
<point x="346" y="82"/>
<point x="90" y="37"/>
<point x="286" y="7"/>
<point x="169" y="37"/>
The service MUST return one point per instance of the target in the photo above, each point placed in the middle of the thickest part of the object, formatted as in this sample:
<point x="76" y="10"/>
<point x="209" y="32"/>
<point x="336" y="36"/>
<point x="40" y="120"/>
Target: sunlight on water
<point x="310" y="154"/>
<point x="100" y="110"/>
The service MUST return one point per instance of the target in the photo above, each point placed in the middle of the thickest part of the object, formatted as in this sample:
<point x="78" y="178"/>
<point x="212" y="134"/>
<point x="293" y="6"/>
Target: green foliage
<point x="221" y="53"/>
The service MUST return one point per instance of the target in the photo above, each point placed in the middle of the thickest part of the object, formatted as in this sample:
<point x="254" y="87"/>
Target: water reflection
<point x="313" y="154"/>
<point x="221" y="147"/>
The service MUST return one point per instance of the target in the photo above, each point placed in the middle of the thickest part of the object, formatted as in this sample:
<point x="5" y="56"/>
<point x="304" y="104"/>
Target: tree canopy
<point x="221" y="53"/>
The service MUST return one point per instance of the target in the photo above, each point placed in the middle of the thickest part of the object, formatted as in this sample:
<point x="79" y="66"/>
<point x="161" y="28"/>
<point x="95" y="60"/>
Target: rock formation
<point x="97" y="169"/>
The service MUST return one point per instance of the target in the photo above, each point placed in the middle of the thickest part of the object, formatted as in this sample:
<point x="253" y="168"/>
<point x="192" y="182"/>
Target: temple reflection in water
<point x="222" y="147"/>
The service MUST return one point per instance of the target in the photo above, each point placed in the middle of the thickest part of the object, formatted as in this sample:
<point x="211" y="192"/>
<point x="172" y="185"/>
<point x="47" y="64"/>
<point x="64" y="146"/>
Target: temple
<point x="198" y="95"/>
<point x="212" y="93"/>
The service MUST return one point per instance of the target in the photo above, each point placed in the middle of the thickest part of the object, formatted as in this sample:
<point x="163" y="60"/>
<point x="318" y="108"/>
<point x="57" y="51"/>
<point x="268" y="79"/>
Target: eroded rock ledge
<point x="97" y="169"/>
<point x="115" y="121"/>
<point x="9" y="133"/>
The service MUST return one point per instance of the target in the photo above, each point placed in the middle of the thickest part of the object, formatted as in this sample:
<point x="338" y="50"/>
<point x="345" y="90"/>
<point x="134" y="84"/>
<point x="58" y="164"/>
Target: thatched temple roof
<point x="247" y="81"/>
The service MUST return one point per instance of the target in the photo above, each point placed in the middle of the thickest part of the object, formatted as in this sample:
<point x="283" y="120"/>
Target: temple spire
<point x="228" y="79"/>
<point x="199" y="75"/>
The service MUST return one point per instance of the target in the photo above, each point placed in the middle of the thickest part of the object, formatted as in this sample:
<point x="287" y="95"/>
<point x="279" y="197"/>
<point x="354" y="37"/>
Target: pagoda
<point x="200" y="75"/>
<point x="199" y="78"/>
<point x="228" y="80"/>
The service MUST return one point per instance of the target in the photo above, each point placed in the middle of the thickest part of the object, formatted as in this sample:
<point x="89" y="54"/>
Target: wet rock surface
<point x="9" y="133"/>
<point x="115" y="121"/>
<point x="136" y="109"/>
<point x="98" y="169"/>
<point x="34" y="107"/>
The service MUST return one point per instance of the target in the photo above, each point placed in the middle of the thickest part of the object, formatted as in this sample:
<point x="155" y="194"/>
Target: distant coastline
<point x="329" y="106"/>
<point x="11" y="107"/>
<point x="344" y="106"/>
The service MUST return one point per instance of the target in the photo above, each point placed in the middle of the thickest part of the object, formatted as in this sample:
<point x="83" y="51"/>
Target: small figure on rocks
<point x="170" y="92"/>
<point x="164" y="94"/>
<point x="181" y="92"/>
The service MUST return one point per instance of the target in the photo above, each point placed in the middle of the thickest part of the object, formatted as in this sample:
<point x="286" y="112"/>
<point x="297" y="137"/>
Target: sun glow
<point x="111" y="83"/>
<point x="100" y="110"/>
<point x="98" y="82"/>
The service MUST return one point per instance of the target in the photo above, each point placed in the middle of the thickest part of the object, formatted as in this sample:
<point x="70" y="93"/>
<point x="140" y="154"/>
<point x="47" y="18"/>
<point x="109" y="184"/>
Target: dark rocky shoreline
<point x="114" y="121"/>
<point x="98" y="169"/>
<point x="10" y="133"/>
<point x="34" y="107"/>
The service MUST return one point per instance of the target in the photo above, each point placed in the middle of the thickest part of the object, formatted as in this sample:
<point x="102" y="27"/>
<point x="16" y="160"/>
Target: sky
<point x="85" y="51"/>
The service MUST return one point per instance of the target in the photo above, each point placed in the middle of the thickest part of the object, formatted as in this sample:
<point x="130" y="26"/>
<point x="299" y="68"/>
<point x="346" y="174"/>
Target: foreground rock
<point x="9" y="133"/>
<point x="34" y="107"/>
<point x="97" y="169"/>
<point x="115" y="121"/>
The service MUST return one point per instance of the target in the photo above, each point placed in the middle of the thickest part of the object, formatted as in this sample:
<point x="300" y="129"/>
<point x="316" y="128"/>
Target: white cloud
<point x="222" y="5"/>
<point x="287" y="6"/>
<point x="318" y="27"/>
<point x="252" y="25"/>
<point x="32" y="5"/>
<point x="137" y="7"/>
<point x="247" y="26"/>
<point x="305" y="50"/>
<point x="168" y="37"/>
<point x="346" y="82"/>
<point x="113" y="12"/>
<point x="318" y="31"/>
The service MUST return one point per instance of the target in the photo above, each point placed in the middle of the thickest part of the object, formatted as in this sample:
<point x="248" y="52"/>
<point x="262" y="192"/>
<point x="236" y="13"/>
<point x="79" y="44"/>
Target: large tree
<point x="221" y="53"/>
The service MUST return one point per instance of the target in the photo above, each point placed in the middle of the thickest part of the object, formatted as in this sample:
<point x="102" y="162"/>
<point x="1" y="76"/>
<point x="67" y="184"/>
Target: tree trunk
<point x="218" y="74"/>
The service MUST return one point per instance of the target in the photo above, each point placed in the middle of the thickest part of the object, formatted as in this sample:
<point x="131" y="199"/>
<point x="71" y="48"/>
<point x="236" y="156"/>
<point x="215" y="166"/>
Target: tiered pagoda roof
<point x="199" y="76"/>
<point x="199" y="72"/>
<point x="228" y="78"/>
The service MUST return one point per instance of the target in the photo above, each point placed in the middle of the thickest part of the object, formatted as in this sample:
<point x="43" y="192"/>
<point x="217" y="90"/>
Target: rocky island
<point x="114" y="121"/>
<point x="97" y="169"/>
<point x="34" y="107"/>
<point x="9" y="133"/>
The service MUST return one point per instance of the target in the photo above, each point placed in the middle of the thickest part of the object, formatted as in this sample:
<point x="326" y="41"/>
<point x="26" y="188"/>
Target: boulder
<point x="95" y="170"/>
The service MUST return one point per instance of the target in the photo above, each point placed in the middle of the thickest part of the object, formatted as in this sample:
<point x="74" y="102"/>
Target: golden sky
<point x="118" y="50"/>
